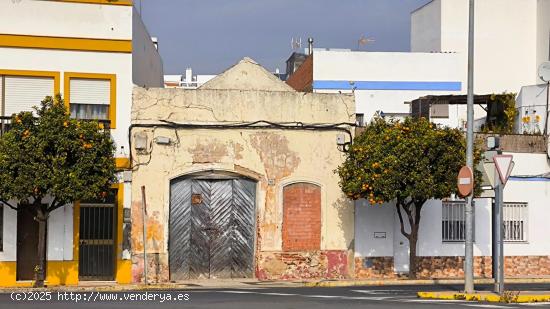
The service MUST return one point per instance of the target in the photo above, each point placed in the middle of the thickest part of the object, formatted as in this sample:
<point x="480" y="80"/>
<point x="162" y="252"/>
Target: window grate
<point x="515" y="222"/>
<point x="453" y="223"/>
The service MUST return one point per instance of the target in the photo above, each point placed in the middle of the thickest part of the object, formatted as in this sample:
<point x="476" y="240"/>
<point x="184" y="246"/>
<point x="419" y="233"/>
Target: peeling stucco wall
<point x="273" y="157"/>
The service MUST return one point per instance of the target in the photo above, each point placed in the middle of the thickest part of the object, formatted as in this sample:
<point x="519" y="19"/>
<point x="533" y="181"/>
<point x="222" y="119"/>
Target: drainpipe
<point x="144" y="214"/>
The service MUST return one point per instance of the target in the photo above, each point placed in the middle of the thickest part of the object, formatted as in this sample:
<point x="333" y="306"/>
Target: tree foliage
<point x="408" y="163"/>
<point x="52" y="160"/>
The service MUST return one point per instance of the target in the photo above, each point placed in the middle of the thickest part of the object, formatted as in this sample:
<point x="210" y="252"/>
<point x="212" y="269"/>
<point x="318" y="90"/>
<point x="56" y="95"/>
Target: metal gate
<point x="97" y="239"/>
<point x="211" y="228"/>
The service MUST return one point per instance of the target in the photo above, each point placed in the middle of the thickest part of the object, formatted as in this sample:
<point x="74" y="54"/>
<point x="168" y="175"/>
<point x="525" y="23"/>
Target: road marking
<point x="487" y="306"/>
<point x="370" y="292"/>
<point x="432" y="301"/>
<point x="239" y="292"/>
<point x="323" y="296"/>
<point x="536" y="304"/>
<point x="279" y="294"/>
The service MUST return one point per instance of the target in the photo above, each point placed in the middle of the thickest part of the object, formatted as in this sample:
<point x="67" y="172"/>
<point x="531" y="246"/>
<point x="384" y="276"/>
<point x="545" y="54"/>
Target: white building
<point x="93" y="53"/>
<point x="385" y="82"/>
<point x="187" y="81"/>
<point x="512" y="38"/>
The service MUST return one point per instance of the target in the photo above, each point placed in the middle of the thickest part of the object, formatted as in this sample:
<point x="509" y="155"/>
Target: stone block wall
<point x="448" y="267"/>
<point x="374" y="268"/>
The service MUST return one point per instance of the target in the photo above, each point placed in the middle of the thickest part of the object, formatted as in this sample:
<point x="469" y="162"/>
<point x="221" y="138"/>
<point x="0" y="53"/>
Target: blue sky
<point x="211" y="35"/>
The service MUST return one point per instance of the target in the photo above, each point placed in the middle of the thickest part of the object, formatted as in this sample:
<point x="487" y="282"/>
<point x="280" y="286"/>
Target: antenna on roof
<point x="363" y="41"/>
<point x="296" y="44"/>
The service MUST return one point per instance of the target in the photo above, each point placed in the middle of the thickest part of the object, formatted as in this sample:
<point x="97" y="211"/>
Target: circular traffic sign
<point x="465" y="181"/>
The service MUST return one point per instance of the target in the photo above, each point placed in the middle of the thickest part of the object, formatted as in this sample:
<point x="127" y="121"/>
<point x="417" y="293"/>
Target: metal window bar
<point x="5" y="124"/>
<point x="515" y="219"/>
<point x="453" y="221"/>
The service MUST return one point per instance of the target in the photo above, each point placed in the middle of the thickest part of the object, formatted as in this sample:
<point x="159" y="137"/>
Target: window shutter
<point x="22" y="93"/>
<point x="439" y="111"/>
<point x="90" y="91"/>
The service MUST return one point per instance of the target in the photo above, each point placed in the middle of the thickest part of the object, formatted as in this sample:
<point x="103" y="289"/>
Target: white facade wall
<point x="543" y="31"/>
<point x="390" y="68"/>
<point x="64" y="19"/>
<point x="147" y="70"/>
<point x="426" y="28"/>
<point x="509" y="39"/>
<point x="535" y="192"/>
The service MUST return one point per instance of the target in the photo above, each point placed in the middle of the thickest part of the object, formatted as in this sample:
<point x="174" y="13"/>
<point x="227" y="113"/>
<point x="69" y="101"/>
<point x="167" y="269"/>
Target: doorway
<point x="212" y="224"/>
<point x="97" y="239"/>
<point x="27" y="245"/>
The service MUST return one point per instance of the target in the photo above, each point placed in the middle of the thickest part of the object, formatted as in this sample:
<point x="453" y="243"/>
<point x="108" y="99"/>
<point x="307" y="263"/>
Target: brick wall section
<point x="301" y="217"/>
<point x="441" y="267"/>
<point x="331" y="264"/>
<point x="302" y="79"/>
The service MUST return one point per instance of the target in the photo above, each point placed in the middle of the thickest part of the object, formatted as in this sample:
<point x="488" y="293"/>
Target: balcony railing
<point x="5" y="124"/>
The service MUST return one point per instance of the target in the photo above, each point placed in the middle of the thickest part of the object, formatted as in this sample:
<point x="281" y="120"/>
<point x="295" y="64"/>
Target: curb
<point x="349" y="283"/>
<point x="492" y="298"/>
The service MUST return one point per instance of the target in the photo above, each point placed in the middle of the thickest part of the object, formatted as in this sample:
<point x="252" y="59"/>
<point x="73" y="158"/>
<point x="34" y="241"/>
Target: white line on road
<point x="487" y="306"/>
<point x="279" y="294"/>
<point x="239" y="292"/>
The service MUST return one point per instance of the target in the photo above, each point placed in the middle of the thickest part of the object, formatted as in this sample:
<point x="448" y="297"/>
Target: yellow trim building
<point x="107" y="42"/>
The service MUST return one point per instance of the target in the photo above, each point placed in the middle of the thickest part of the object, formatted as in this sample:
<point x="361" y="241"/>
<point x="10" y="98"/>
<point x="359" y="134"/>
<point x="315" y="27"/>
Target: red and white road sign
<point x="504" y="165"/>
<point x="465" y="181"/>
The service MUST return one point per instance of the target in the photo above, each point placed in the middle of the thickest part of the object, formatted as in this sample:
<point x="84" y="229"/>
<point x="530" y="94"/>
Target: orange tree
<point x="406" y="163"/>
<point x="52" y="160"/>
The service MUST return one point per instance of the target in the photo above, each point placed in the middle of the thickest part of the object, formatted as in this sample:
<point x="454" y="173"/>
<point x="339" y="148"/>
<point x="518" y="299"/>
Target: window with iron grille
<point x="453" y="223"/>
<point x="515" y="222"/>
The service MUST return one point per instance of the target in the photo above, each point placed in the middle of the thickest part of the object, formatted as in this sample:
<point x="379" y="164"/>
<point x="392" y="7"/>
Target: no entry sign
<point x="465" y="181"/>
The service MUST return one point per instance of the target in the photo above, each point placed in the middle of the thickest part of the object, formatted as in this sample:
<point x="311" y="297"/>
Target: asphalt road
<point x="260" y="297"/>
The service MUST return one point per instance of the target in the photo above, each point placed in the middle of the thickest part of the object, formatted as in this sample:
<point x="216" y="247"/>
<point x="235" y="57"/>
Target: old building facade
<point x="239" y="180"/>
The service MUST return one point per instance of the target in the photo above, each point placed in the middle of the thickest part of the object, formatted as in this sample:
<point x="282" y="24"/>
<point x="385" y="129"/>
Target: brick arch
<point x="301" y="217"/>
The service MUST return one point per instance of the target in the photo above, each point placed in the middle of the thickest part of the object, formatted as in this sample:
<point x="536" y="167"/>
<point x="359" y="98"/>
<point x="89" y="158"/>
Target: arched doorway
<point x="212" y="223"/>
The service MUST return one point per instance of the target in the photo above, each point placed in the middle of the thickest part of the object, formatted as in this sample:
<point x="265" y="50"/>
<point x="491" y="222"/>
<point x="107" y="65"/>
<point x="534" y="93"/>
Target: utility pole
<point x="469" y="244"/>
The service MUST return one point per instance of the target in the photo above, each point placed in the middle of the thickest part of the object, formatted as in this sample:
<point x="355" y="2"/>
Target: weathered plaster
<point x="273" y="157"/>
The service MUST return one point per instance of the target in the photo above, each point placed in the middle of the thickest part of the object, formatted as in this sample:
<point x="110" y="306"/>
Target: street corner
<point x="506" y="297"/>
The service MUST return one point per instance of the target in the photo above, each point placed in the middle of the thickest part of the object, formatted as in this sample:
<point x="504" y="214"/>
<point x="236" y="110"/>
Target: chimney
<point x="310" y="46"/>
<point x="189" y="75"/>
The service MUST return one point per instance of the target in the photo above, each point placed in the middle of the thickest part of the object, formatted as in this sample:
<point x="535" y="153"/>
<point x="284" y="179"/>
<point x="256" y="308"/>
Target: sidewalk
<point x="254" y="284"/>
<point x="390" y="282"/>
<point x="507" y="297"/>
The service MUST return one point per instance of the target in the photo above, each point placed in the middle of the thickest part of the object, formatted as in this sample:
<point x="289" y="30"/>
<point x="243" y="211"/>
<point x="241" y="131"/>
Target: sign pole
<point x="498" y="220"/>
<point x="469" y="243"/>
<point x="504" y="165"/>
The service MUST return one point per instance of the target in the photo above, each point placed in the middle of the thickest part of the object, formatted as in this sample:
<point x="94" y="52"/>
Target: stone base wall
<point x="439" y="267"/>
<point x="331" y="264"/>
<point x="374" y="268"/>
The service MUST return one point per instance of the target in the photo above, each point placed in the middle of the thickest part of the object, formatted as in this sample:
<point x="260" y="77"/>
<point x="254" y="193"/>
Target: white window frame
<point x="452" y="212"/>
<point x="516" y="212"/>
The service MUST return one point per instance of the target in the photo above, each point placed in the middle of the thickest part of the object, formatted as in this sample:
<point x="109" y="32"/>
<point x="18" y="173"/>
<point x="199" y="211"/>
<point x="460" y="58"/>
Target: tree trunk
<point x="413" y="239"/>
<point x="41" y="217"/>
